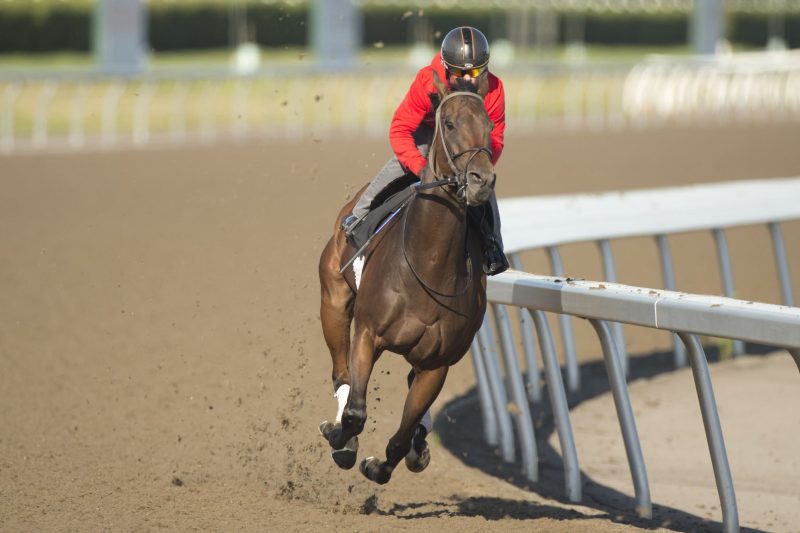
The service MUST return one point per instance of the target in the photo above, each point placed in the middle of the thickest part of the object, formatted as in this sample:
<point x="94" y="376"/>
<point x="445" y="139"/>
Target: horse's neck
<point x="437" y="228"/>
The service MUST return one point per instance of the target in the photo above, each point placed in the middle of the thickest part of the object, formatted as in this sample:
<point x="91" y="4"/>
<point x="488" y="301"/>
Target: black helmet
<point x="465" y="48"/>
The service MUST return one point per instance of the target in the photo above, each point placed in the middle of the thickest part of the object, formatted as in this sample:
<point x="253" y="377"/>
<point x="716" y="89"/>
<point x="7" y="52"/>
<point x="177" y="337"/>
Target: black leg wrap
<point x="375" y="471"/>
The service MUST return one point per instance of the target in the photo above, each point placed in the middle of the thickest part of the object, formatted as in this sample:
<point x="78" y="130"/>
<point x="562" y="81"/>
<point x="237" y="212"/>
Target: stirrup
<point x="350" y="223"/>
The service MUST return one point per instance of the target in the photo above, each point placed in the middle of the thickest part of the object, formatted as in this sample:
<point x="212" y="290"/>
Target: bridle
<point x="457" y="178"/>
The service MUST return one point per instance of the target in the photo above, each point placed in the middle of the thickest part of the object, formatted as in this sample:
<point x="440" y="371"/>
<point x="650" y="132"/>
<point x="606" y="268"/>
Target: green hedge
<point x="43" y="26"/>
<point x="180" y="27"/>
<point x="636" y="29"/>
<point x="752" y="29"/>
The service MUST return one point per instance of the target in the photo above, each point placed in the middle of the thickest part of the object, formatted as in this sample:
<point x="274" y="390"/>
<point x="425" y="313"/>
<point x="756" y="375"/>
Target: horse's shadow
<point x="486" y="507"/>
<point x="461" y="432"/>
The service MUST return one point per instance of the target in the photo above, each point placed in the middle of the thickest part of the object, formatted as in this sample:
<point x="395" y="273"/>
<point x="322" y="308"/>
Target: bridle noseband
<point x="458" y="177"/>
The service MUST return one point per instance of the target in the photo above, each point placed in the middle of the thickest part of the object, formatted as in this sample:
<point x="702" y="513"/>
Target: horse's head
<point x="461" y="148"/>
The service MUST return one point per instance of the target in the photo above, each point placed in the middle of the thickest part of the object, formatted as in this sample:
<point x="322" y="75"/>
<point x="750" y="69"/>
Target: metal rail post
<point x="528" y="342"/>
<point x="7" y="126"/>
<point x="782" y="264"/>
<point x="726" y="273"/>
<point x="498" y="390"/>
<point x="522" y="413"/>
<point x="208" y="128"/>
<point x="669" y="283"/>
<point x="239" y="108"/>
<point x="567" y="337"/>
<point x="484" y="394"/>
<point x="716" y="443"/>
<point x="627" y="423"/>
<point x="558" y="401"/>
<point x="110" y="109"/>
<point x="795" y="353"/>
<point x="141" y="113"/>
<point x="177" y="126"/>
<point x="42" y="113"/>
<point x="77" y="125"/>
<point x="611" y="275"/>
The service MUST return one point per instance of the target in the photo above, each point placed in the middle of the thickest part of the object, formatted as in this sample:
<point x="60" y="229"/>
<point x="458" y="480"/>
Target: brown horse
<point x="422" y="293"/>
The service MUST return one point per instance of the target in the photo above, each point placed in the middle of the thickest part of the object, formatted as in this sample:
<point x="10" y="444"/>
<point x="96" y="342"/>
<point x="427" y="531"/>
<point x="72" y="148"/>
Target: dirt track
<point x="161" y="361"/>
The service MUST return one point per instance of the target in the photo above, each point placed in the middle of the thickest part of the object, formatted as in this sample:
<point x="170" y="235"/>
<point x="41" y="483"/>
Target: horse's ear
<point x="483" y="85"/>
<point x="441" y="88"/>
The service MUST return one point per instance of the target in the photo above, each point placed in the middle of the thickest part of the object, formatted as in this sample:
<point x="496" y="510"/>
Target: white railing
<point x="687" y="315"/>
<point x="548" y="222"/>
<point x="81" y="110"/>
<point x="758" y="87"/>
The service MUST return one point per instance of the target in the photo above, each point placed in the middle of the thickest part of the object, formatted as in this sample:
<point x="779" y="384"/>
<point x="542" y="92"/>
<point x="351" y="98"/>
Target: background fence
<point x="79" y="111"/>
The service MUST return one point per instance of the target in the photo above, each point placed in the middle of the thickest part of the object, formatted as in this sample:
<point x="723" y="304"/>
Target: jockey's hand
<point x="426" y="174"/>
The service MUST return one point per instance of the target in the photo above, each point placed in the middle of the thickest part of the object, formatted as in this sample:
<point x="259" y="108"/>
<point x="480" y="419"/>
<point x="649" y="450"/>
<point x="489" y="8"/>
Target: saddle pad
<point x="377" y="215"/>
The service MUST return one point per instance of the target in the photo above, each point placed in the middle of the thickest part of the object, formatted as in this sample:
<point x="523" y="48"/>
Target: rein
<point x="414" y="271"/>
<point x="457" y="178"/>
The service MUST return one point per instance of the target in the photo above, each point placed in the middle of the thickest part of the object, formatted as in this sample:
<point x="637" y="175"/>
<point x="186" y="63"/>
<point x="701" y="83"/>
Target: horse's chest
<point x="442" y="340"/>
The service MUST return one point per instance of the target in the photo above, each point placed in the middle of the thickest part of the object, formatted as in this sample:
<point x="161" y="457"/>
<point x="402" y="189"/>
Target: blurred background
<point x="105" y="73"/>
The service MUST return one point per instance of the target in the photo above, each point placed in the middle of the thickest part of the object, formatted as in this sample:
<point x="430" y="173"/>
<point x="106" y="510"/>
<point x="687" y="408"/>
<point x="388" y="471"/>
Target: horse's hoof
<point x="354" y="419"/>
<point x="345" y="458"/>
<point x="325" y="429"/>
<point x="374" y="471"/>
<point x="417" y="461"/>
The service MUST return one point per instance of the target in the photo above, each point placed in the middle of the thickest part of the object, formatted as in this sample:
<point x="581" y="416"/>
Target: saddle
<point x="394" y="196"/>
<point x="384" y="204"/>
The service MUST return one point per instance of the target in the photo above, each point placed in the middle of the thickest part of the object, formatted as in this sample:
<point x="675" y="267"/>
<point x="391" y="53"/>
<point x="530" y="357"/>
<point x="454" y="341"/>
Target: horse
<point x="422" y="290"/>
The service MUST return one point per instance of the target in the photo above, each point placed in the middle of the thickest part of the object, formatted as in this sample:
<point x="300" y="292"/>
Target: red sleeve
<point x="496" y="108"/>
<point x="407" y="118"/>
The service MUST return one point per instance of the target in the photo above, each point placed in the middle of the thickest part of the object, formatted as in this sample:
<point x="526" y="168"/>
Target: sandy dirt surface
<point x="162" y="364"/>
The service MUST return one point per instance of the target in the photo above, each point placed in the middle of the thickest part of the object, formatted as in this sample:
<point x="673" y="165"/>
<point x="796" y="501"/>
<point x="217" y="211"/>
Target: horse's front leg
<point x="424" y="389"/>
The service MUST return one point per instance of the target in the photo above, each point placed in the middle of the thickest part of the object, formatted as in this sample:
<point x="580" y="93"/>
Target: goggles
<point x="461" y="72"/>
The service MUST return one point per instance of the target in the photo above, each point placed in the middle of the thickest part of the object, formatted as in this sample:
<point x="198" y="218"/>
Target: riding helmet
<point x="465" y="47"/>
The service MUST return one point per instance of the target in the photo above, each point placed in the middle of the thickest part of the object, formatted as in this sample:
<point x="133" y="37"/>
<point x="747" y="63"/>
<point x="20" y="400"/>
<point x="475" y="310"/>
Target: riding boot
<point x="496" y="261"/>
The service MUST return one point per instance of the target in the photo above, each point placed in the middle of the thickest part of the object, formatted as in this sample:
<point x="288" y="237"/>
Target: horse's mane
<point x="459" y="84"/>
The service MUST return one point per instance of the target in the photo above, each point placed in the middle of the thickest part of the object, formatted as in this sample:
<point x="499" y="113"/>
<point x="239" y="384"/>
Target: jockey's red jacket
<point x="416" y="109"/>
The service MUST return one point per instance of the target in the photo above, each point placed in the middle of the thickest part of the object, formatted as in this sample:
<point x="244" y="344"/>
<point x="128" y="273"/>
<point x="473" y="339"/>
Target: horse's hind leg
<point x="424" y="389"/>
<point x="336" y="313"/>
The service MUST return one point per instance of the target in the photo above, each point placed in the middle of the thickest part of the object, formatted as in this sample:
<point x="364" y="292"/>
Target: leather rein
<point x="457" y="178"/>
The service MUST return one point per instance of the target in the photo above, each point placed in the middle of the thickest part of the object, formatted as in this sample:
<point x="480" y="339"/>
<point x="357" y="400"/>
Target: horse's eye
<point x="449" y="125"/>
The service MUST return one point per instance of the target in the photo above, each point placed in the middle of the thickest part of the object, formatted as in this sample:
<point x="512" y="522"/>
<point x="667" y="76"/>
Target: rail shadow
<point x="460" y="430"/>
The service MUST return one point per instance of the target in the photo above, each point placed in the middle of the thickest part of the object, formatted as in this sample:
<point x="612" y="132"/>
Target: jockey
<point x="464" y="57"/>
